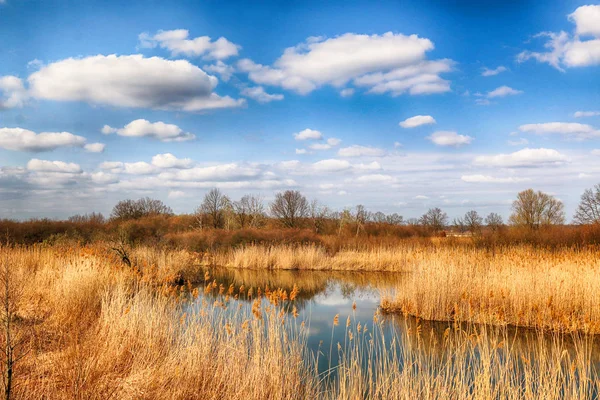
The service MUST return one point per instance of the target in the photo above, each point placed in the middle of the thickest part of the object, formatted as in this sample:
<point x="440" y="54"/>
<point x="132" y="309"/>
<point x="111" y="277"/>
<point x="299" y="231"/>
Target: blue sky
<point x="101" y="101"/>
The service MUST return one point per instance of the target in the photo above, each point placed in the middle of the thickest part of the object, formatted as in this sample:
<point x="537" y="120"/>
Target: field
<point x="84" y="324"/>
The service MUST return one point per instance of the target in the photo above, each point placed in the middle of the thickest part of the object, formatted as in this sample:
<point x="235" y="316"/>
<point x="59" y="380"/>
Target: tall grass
<point x="517" y="285"/>
<point x="97" y="329"/>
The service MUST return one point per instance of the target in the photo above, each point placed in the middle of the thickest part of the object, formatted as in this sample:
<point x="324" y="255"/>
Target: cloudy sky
<point x="399" y="106"/>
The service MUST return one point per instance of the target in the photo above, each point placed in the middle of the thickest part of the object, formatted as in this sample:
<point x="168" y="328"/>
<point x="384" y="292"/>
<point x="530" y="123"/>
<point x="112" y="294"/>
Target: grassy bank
<point x="518" y="285"/>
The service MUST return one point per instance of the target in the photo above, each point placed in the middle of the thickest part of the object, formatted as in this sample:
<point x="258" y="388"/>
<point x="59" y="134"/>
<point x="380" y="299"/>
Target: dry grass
<point x="312" y="257"/>
<point x="552" y="290"/>
<point x="99" y="330"/>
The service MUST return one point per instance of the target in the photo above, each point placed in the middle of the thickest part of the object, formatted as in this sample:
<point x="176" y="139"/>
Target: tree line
<point x="531" y="209"/>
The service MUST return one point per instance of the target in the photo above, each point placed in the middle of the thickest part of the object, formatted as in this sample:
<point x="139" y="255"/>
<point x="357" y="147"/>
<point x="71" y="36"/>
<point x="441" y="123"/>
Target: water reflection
<point x="355" y="296"/>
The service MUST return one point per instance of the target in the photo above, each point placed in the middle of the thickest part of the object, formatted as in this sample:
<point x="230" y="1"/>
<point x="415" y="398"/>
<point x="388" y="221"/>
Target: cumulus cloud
<point x="568" y="51"/>
<point x="301" y="151"/>
<point x="168" y="160"/>
<point x="308" y="134"/>
<point x="18" y="139"/>
<point x="449" y="138"/>
<point x="580" y="114"/>
<point x="348" y="92"/>
<point x="37" y="165"/>
<point x="157" y="130"/>
<point x="417" y="120"/>
<point x="258" y="93"/>
<point x="523" y="158"/>
<point x="492" y="72"/>
<point x="492" y="179"/>
<point x="222" y="172"/>
<point x="596" y="152"/>
<point x="176" y="194"/>
<point x="12" y="92"/>
<point x="361" y="151"/>
<point x="178" y="43"/>
<point x="225" y="71"/>
<point x="376" y="178"/>
<point x="390" y="62"/>
<point x="331" y="165"/>
<point x="138" y="168"/>
<point x="94" y="147"/>
<point x="130" y="81"/>
<point x="503" y="91"/>
<point x="568" y="129"/>
<point x="519" y="142"/>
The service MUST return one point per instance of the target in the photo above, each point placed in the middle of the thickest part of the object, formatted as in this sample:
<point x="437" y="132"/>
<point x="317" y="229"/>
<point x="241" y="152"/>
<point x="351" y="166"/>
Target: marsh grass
<point x="103" y="330"/>
<point x="555" y="290"/>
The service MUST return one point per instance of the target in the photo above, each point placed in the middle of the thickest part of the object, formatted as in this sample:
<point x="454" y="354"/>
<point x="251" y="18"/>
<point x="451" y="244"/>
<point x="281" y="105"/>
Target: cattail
<point x="354" y="305"/>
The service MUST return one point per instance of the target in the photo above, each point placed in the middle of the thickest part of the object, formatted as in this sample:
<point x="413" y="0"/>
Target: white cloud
<point x="104" y="178"/>
<point x="94" y="147"/>
<point x="218" y="173"/>
<point x="308" y="134"/>
<point x="580" y="114"/>
<point x="176" y="194"/>
<point x="565" y="50"/>
<point x="361" y="151"/>
<point x="12" y="92"/>
<point x="587" y="20"/>
<point x="139" y="168"/>
<point x="331" y="165"/>
<point x="177" y="42"/>
<point x="520" y="142"/>
<point x="372" y="166"/>
<point x="449" y="138"/>
<point x="572" y="129"/>
<point x="421" y="197"/>
<point x="112" y="166"/>
<point x="596" y="152"/>
<point x="376" y="178"/>
<point x="348" y="92"/>
<point x="258" y="93"/>
<point x="320" y="146"/>
<point x="168" y="160"/>
<point x="417" y="120"/>
<point x="491" y="179"/>
<point x="334" y="141"/>
<point x="503" y="91"/>
<point x="18" y="139"/>
<point x="492" y="72"/>
<point x="130" y="81"/>
<point x="523" y="158"/>
<point x="387" y="63"/>
<point x="157" y="130"/>
<point x="53" y="166"/>
<point x="225" y="71"/>
<point x="300" y="151"/>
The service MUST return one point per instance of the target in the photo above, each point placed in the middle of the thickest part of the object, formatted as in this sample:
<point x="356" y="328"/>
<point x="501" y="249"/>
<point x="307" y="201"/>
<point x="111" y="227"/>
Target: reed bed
<point x="314" y="257"/>
<point x="555" y="290"/>
<point x="93" y="328"/>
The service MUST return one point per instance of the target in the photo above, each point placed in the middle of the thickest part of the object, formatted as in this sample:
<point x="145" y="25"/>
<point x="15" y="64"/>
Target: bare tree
<point x="361" y="216"/>
<point x="394" y="219"/>
<point x="11" y="286"/>
<point x="473" y="221"/>
<point x="291" y="207"/>
<point x="588" y="211"/>
<point x="494" y="221"/>
<point x="249" y="211"/>
<point x="459" y="225"/>
<point x="534" y="209"/>
<point x="318" y="215"/>
<point x="135" y="209"/>
<point x="91" y="218"/>
<point x="344" y="218"/>
<point x="379" y="217"/>
<point x="213" y="208"/>
<point x="434" y="219"/>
